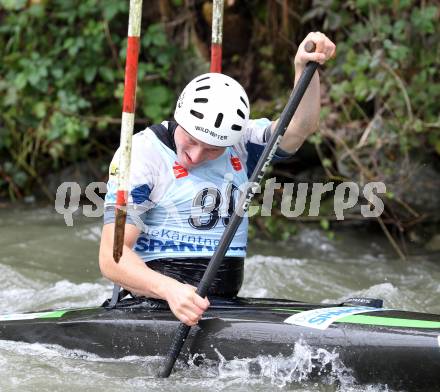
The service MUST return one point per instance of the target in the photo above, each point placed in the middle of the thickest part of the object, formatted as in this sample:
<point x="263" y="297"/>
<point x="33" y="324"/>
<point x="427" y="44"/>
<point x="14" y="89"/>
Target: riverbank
<point x="425" y="240"/>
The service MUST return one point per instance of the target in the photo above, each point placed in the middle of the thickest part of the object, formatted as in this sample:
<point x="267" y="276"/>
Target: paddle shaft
<point x="243" y="205"/>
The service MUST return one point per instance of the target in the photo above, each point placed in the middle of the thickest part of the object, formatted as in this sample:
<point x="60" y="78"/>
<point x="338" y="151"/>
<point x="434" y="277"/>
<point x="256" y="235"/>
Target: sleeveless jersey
<point x="183" y="213"/>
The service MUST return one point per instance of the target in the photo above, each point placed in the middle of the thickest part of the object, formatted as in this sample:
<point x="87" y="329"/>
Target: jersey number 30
<point x="206" y="207"/>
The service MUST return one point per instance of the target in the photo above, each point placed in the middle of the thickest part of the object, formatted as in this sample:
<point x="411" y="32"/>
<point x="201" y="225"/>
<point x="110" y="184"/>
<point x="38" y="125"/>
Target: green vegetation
<point x="62" y="76"/>
<point x="381" y="106"/>
<point x="62" y="83"/>
<point x="386" y="75"/>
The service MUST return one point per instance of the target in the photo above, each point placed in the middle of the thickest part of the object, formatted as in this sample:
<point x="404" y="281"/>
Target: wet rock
<point x="82" y="173"/>
<point x="411" y="181"/>
<point x="434" y="243"/>
<point x="418" y="186"/>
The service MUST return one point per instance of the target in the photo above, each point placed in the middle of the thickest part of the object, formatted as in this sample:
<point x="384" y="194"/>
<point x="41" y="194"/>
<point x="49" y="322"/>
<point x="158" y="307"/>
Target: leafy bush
<point x="62" y="77"/>
<point x="385" y="81"/>
<point x="62" y="80"/>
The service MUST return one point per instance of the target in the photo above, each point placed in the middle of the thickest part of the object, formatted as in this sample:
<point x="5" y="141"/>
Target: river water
<point x="45" y="264"/>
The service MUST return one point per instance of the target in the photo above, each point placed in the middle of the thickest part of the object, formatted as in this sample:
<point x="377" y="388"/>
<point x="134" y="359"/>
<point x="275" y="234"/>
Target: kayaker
<point x="184" y="179"/>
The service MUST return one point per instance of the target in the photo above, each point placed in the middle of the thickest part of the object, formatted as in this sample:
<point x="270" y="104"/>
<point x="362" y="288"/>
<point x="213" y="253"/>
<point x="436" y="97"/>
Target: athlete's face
<point x="192" y="152"/>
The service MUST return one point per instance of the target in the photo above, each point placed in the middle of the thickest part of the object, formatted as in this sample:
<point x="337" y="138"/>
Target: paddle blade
<point x="175" y="348"/>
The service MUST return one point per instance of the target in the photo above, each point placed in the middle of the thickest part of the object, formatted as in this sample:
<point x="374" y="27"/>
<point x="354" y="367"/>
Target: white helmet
<point x="214" y="108"/>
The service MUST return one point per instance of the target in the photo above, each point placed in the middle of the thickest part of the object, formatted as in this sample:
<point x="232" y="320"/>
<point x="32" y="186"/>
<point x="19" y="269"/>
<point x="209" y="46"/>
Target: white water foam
<point x="299" y="367"/>
<point x="92" y="233"/>
<point x="280" y="277"/>
<point x="306" y="369"/>
<point x="21" y="294"/>
<point x="262" y="271"/>
<point x="54" y="366"/>
<point x="393" y="297"/>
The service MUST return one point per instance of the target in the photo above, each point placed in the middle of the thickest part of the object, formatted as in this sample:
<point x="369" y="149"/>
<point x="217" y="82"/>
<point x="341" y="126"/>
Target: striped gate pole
<point x="128" y="109"/>
<point x="217" y="36"/>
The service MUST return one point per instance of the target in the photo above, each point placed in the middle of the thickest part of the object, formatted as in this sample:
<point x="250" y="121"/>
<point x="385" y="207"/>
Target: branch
<point x="391" y="239"/>
<point x="112" y="46"/>
<point x="402" y="88"/>
<point x="110" y="120"/>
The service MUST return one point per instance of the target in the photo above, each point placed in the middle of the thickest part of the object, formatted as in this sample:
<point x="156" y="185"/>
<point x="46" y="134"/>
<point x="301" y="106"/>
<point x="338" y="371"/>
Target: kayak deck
<point x="398" y="348"/>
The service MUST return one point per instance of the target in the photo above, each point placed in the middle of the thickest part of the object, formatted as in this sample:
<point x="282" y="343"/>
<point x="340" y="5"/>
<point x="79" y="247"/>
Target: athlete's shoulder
<point x="157" y="136"/>
<point x="147" y="155"/>
<point x="144" y="139"/>
<point x="256" y="130"/>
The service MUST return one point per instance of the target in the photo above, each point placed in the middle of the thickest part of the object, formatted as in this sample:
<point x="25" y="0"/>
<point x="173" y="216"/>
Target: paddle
<point x="243" y="205"/>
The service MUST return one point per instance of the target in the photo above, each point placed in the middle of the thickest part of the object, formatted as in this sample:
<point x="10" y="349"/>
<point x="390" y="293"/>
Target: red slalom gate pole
<point x="217" y="36"/>
<point x="128" y="109"/>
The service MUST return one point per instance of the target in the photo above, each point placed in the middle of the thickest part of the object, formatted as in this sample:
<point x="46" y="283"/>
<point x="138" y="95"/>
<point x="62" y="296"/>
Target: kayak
<point x="377" y="345"/>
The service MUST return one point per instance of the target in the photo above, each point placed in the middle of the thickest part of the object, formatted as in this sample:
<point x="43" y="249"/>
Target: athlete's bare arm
<point x="306" y="118"/>
<point x="132" y="274"/>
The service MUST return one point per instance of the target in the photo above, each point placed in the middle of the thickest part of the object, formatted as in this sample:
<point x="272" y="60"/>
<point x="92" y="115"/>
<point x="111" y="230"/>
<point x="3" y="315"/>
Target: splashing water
<point x="304" y="364"/>
<point x="41" y="267"/>
<point x="54" y="366"/>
